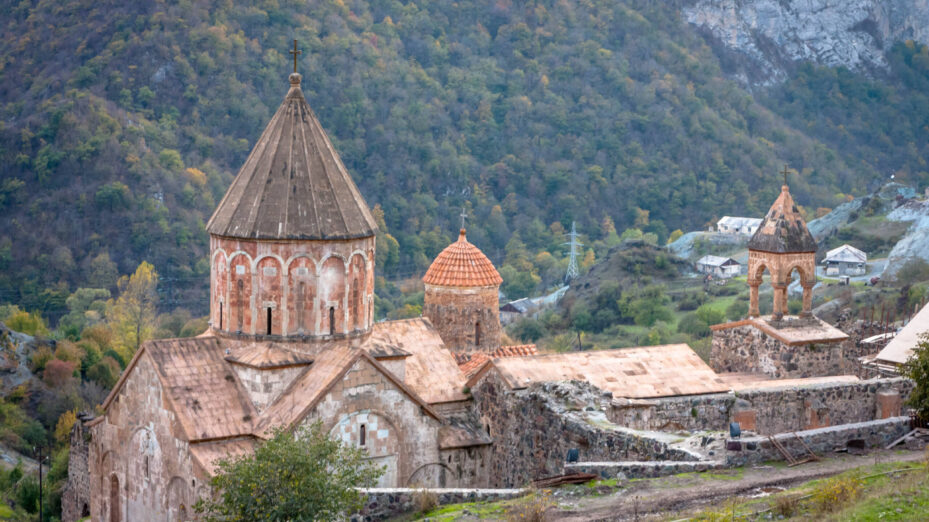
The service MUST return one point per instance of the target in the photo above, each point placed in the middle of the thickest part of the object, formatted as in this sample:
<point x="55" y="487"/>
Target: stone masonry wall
<point x="405" y="438"/>
<point x="534" y="428"/>
<point x="748" y="349"/>
<point x="386" y="503"/>
<point x="458" y="313"/>
<point x="75" y="497"/>
<point x="769" y="410"/>
<point x="139" y="467"/>
<point x="875" y="434"/>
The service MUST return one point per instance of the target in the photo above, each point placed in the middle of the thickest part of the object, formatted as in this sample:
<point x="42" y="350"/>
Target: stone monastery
<point x="437" y="401"/>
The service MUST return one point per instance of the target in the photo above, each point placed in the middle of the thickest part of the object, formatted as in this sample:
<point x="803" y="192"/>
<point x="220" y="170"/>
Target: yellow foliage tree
<point x="63" y="428"/>
<point x="131" y="316"/>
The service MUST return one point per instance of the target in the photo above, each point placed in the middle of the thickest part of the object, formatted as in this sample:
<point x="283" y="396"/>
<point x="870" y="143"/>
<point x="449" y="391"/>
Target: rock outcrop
<point x="772" y="34"/>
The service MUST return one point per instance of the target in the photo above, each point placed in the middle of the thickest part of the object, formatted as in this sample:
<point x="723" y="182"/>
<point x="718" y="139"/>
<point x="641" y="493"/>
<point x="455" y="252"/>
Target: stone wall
<point x="139" y="467"/>
<point x="400" y="435"/>
<point x="776" y="409"/>
<point x="822" y="441"/>
<point x="534" y="428"/>
<point x="299" y="281"/>
<point x="629" y="470"/>
<point x="384" y="503"/>
<point x="748" y="349"/>
<point x="75" y="496"/>
<point x="461" y="315"/>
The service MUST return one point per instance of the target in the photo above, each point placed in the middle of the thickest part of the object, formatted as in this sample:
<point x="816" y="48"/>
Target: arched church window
<point x="331" y="320"/>
<point x="114" y="499"/>
<point x="240" y="303"/>
<point x="362" y="435"/>
<point x="301" y="304"/>
<point x="477" y="333"/>
<point x="356" y="317"/>
<point x="220" y="315"/>
<point x="269" y="320"/>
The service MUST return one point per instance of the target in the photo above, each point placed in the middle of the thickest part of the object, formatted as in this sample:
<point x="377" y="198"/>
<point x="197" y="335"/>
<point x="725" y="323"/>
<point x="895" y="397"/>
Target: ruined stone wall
<point x="75" y="497"/>
<point x="748" y="349"/>
<point x="770" y="410"/>
<point x="459" y="313"/>
<point x="399" y="434"/>
<point x="534" y="428"/>
<point x="299" y="281"/>
<point x="138" y="465"/>
<point x="466" y="467"/>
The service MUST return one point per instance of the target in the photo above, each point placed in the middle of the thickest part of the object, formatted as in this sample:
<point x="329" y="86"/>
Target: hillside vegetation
<point x="124" y="122"/>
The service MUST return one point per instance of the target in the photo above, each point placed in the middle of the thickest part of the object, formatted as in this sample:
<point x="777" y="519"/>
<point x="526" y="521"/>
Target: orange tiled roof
<point x="470" y="363"/>
<point x="462" y="264"/>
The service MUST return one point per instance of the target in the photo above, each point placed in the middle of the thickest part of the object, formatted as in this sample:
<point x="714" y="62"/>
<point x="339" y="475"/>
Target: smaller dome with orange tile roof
<point x="462" y="264"/>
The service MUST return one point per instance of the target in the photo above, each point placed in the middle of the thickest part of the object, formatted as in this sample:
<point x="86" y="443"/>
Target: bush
<point x="104" y="372"/>
<point x="27" y="323"/>
<point x="834" y="493"/>
<point x="692" y="325"/>
<point x="710" y="315"/>
<point x="533" y="508"/>
<point x="425" y="500"/>
<point x="785" y="505"/>
<point x="527" y="330"/>
<point x="737" y="310"/>
<point x="917" y="369"/>
<point x="58" y="373"/>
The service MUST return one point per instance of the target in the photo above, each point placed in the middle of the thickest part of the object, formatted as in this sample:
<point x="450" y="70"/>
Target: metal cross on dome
<point x="295" y="53"/>
<point x="463" y="215"/>
<point x="785" y="172"/>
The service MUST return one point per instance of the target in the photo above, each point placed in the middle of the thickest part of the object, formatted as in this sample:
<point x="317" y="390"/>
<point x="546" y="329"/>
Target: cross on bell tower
<point x="295" y="53"/>
<point x="785" y="172"/>
<point x="463" y="216"/>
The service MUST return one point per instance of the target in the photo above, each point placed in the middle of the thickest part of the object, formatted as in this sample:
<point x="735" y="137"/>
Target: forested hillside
<point x="124" y="122"/>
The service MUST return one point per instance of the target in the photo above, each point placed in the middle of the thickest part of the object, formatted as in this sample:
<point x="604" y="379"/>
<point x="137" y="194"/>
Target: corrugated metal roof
<point x="293" y="184"/>
<point x="900" y="348"/>
<point x="634" y="373"/>
<point x="738" y="222"/>
<point x="846" y="254"/>
<point x="716" y="261"/>
<point x="462" y="264"/>
<point x="783" y="229"/>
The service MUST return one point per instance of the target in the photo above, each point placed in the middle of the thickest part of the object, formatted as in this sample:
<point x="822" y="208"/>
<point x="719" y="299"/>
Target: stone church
<point x="292" y="340"/>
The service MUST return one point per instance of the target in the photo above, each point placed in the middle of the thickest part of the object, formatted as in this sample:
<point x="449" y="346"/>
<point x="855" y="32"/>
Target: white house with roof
<point x="745" y="226"/>
<point x="723" y="267"/>
<point x="845" y="260"/>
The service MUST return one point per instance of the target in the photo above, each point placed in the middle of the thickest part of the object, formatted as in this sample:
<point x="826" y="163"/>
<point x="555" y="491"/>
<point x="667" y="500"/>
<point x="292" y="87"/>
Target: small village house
<point x="845" y="260"/>
<point x="724" y="267"/>
<point x="738" y="225"/>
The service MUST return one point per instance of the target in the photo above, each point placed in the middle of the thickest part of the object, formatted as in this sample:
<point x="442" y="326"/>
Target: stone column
<point x="807" y="301"/>
<point x="780" y="299"/>
<point x="753" y="298"/>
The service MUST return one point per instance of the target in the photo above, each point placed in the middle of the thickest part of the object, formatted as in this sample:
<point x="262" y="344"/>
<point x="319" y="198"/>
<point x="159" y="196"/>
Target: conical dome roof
<point x="462" y="264"/>
<point x="783" y="230"/>
<point x="293" y="184"/>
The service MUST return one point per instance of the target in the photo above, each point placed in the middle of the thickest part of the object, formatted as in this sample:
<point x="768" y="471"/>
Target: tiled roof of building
<point x="266" y="356"/>
<point x="206" y="396"/>
<point x="783" y="230"/>
<point x="634" y="373"/>
<point x="462" y="264"/>
<point x="293" y="184"/>
<point x="431" y="370"/>
<point x="791" y="331"/>
<point x="470" y="363"/>
<point x="210" y="402"/>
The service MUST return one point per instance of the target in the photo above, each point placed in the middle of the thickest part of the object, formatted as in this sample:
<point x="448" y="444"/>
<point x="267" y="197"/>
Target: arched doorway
<point x="115" y="509"/>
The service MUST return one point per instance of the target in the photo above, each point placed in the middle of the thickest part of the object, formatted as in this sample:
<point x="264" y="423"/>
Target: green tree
<point x="650" y="306"/>
<point x="917" y="369"/>
<point x="293" y="476"/>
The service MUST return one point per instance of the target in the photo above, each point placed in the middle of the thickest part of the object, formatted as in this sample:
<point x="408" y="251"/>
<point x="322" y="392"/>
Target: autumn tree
<point x="302" y="475"/>
<point x="132" y="315"/>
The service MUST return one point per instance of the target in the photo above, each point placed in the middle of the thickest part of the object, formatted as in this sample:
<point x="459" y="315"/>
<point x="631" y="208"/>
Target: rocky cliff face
<point x="770" y="35"/>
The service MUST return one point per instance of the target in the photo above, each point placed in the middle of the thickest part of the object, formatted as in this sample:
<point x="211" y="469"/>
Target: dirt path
<point x="677" y="493"/>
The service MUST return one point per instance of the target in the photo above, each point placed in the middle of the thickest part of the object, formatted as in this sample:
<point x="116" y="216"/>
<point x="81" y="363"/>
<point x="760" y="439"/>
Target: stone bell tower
<point x="781" y="245"/>
<point x="462" y="298"/>
<point x="292" y="241"/>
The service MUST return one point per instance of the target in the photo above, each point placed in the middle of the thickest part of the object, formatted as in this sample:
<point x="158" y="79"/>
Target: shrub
<point x="691" y="324"/>
<point x="533" y="508"/>
<point x="737" y="310"/>
<point x="40" y="358"/>
<point x="58" y="372"/>
<point x="785" y="505"/>
<point x="27" y="323"/>
<point x="834" y="493"/>
<point x="425" y="500"/>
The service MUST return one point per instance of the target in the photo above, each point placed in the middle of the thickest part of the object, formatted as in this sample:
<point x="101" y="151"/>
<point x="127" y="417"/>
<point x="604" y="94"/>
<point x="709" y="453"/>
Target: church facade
<point x="292" y="341"/>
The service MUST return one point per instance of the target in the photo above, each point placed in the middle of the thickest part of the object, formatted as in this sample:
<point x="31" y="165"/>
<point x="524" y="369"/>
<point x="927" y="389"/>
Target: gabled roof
<point x="783" y="229"/>
<point x="293" y="184"/>
<point x="716" y="261"/>
<point x="846" y="254"/>
<point x="634" y="373"/>
<point x="900" y="348"/>
<point x="462" y="264"/>
<point x="739" y="222"/>
<point x="470" y="363"/>
<point x="264" y="356"/>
